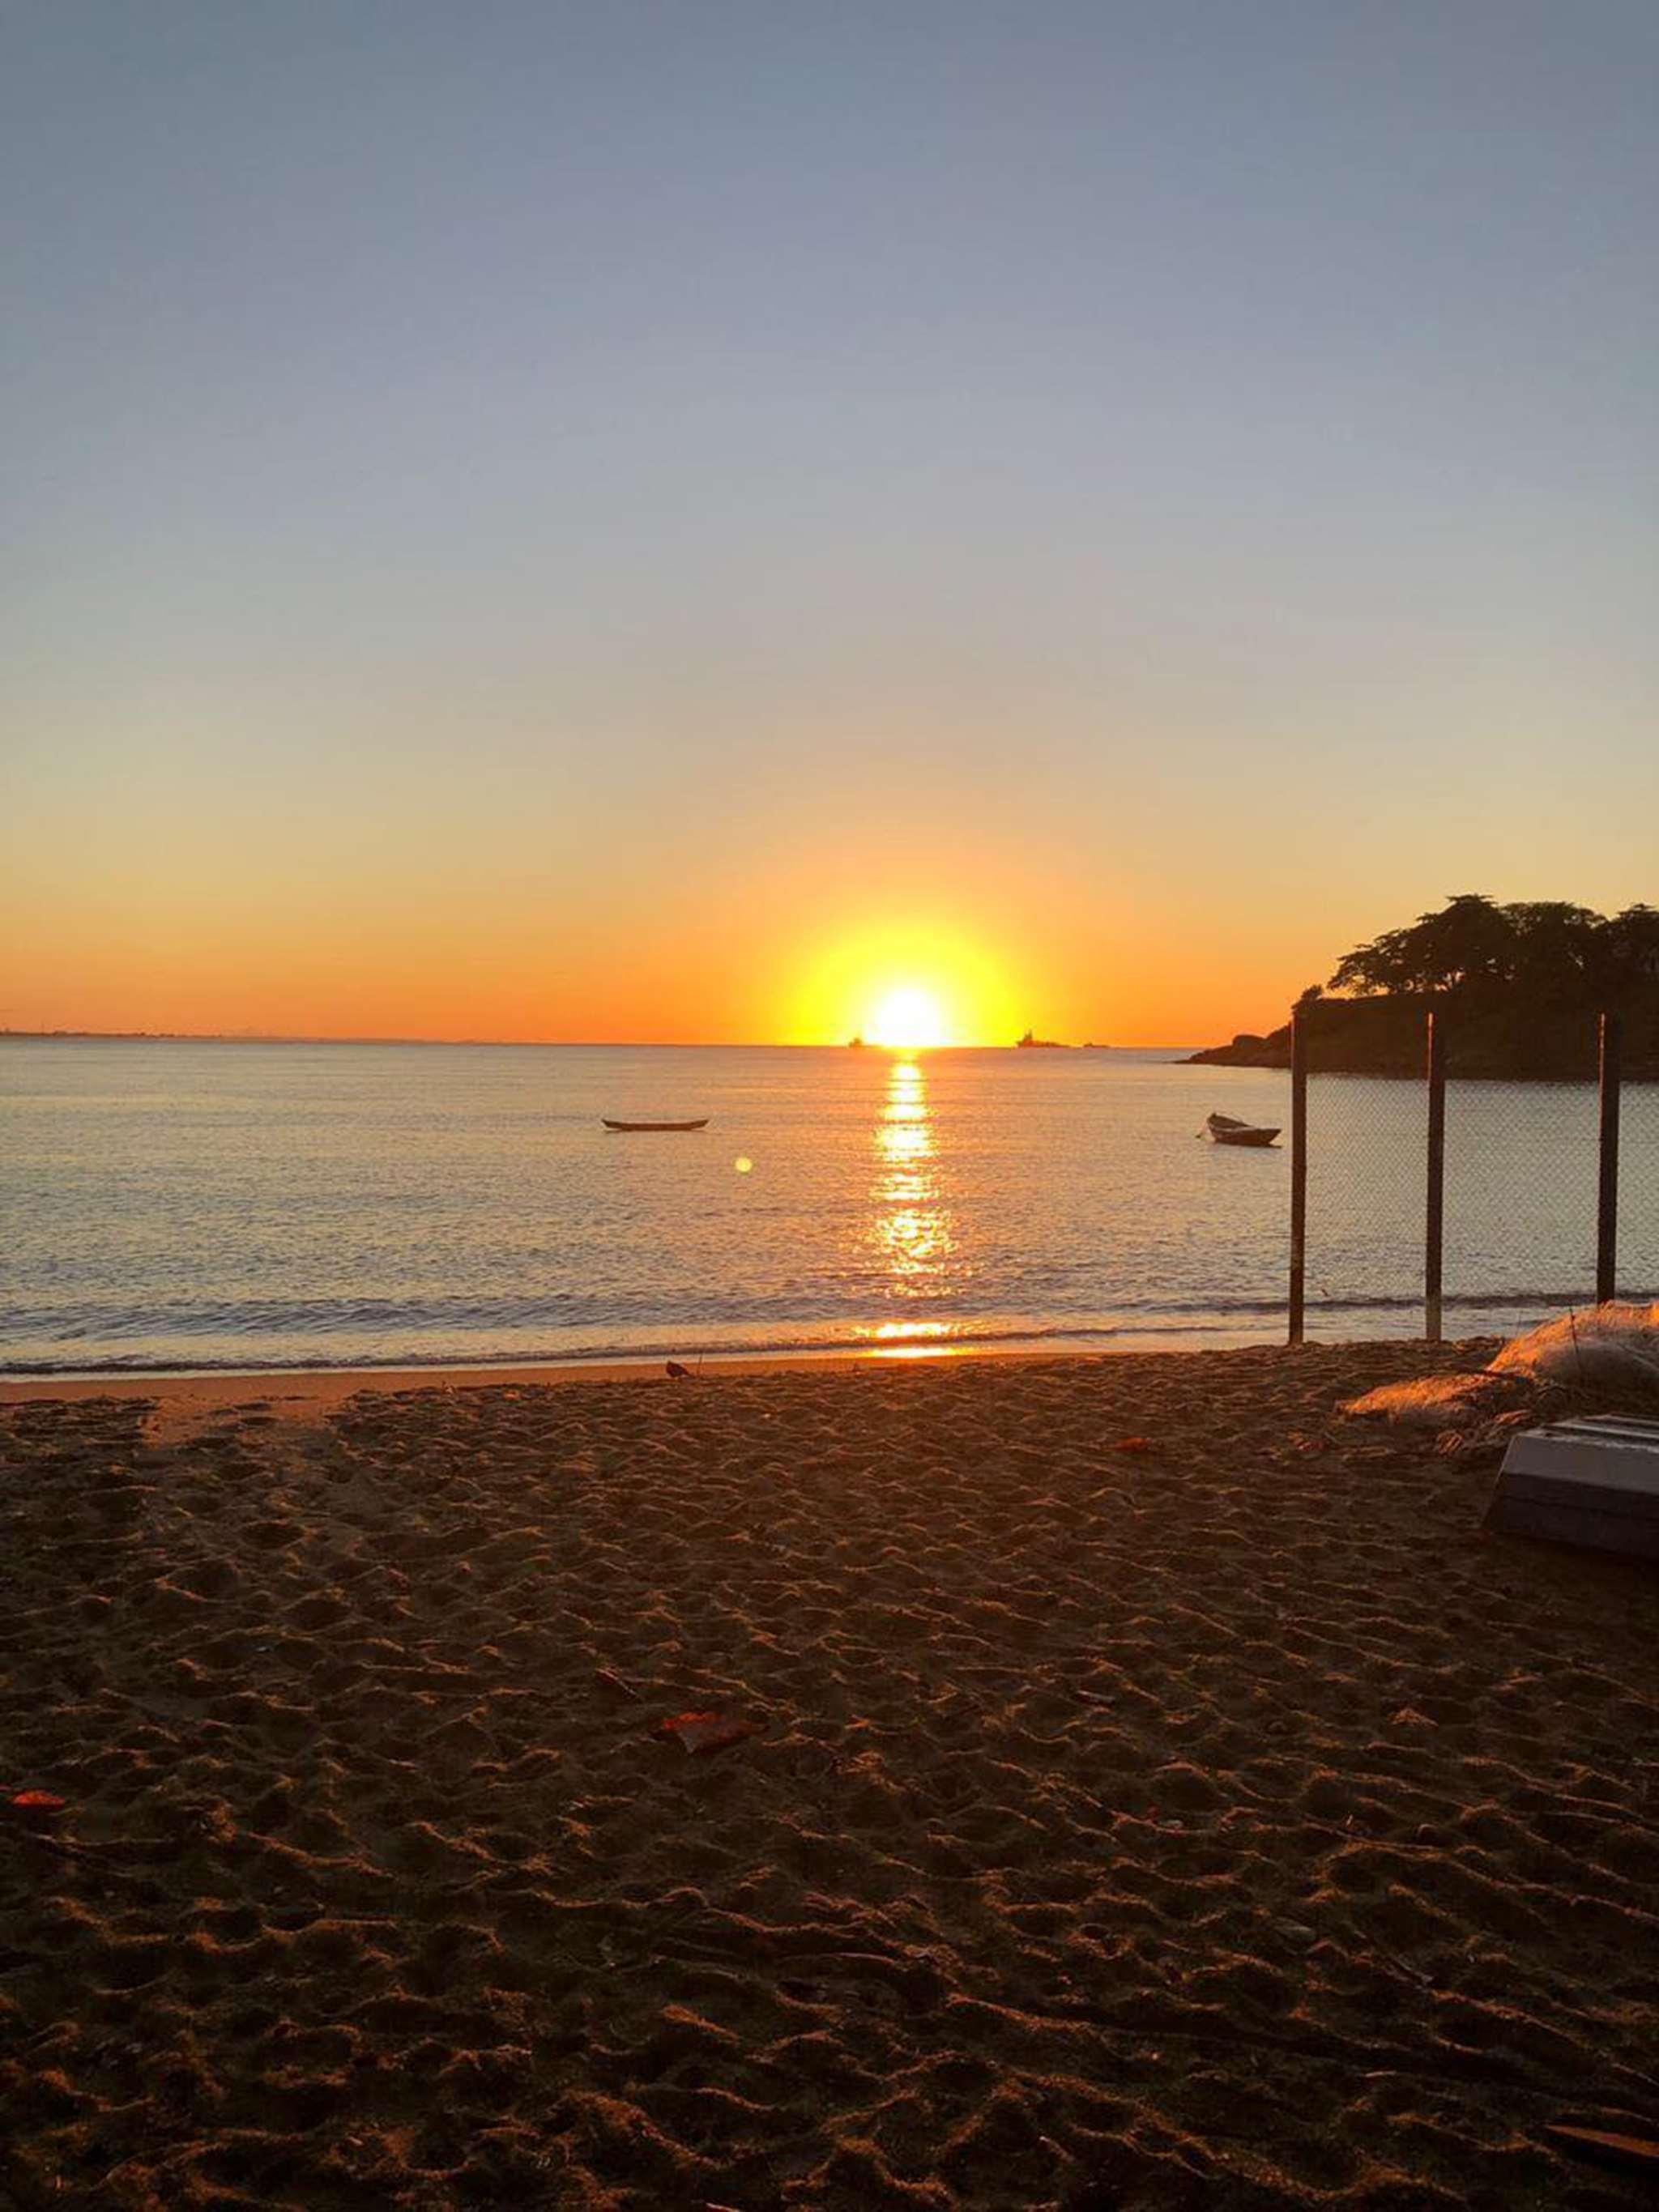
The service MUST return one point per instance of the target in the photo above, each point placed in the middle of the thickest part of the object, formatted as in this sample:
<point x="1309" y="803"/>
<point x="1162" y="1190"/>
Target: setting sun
<point x="905" y="983"/>
<point x="907" y="1019"/>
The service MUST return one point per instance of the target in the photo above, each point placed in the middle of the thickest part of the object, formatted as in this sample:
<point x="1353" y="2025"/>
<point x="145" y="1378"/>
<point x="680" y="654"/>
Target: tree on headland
<point x="1467" y="942"/>
<point x="1630" y="944"/>
<point x="1521" y="985"/>
<point x="1557" y="953"/>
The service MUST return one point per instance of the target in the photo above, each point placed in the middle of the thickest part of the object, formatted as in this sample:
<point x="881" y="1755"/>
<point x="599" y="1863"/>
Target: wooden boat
<point x="634" y="1127"/>
<point x="1224" y="1130"/>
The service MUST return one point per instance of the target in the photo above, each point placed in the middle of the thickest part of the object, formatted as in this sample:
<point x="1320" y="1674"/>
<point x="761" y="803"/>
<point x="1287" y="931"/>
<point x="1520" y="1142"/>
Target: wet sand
<point x="1161" y="1794"/>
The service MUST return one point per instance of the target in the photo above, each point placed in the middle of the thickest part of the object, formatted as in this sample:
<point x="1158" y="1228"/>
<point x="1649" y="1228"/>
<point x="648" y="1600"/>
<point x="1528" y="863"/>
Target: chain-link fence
<point x="1638" y="1192"/>
<point x="1530" y="1219"/>
<point x="1521" y="1168"/>
<point x="1367" y="1139"/>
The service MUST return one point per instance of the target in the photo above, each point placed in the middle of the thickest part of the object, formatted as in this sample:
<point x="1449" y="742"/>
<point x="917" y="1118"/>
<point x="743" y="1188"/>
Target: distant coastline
<point x="1515" y="1042"/>
<point x="276" y="1036"/>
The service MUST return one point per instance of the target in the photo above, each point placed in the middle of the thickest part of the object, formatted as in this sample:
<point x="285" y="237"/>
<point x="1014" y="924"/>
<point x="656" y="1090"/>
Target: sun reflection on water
<point x="911" y="1230"/>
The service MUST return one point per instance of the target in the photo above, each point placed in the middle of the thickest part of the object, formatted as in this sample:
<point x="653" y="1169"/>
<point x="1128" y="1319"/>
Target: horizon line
<point x="538" y="1044"/>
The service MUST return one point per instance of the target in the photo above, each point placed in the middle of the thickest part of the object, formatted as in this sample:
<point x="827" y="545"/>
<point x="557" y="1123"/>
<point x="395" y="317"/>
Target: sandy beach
<point x="1158" y="1792"/>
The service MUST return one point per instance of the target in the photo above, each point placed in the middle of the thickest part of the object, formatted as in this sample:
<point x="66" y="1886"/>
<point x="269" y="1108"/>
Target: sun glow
<point x="907" y="1020"/>
<point x="906" y="985"/>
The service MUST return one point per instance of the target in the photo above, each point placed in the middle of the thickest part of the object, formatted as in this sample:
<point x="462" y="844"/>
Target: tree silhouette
<point x="1556" y="953"/>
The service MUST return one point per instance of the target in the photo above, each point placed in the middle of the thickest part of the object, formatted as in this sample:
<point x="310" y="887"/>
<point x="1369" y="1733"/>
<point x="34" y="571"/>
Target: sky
<point x="670" y="522"/>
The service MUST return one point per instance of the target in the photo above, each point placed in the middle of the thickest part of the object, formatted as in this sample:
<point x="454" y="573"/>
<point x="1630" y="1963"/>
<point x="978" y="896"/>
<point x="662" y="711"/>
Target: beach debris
<point x="709" y="1731"/>
<point x="1138" y="1444"/>
<point x="1603" y="1348"/>
<point x="36" y="1804"/>
<point x="680" y="1372"/>
<point x="1611" y="1344"/>
<point x="1440" y="1402"/>
<point x="1606" y="2146"/>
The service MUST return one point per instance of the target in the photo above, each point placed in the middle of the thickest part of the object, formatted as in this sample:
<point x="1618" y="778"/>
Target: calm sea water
<point x="249" y="1205"/>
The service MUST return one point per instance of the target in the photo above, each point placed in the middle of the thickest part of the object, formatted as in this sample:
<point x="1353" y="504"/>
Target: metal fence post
<point x="1298" y="1171"/>
<point x="1434" y="1230"/>
<point x="1607" y="1200"/>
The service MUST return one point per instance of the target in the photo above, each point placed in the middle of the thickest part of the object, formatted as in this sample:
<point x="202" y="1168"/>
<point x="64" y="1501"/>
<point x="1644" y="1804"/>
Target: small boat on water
<point x="1224" y="1130"/>
<point x="634" y="1127"/>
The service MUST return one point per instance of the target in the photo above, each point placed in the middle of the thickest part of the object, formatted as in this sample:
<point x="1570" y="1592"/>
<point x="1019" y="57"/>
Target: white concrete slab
<point x="1592" y="1482"/>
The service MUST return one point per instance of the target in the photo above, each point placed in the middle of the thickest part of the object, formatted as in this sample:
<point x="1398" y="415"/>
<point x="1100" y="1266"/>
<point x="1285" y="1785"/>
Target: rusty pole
<point x="1299" y="1173"/>
<point x="1606" y="1199"/>
<point x="1435" y="1225"/>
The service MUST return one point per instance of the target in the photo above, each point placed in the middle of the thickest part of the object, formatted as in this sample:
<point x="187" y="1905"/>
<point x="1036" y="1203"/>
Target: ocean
<point x="171" y="1205"/>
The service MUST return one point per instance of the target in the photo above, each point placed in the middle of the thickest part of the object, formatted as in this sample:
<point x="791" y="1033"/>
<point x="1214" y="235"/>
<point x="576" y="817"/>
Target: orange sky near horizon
<point x="754" y="972"/>
<point x="413" y="887"/>
<point x="790" y="956"/>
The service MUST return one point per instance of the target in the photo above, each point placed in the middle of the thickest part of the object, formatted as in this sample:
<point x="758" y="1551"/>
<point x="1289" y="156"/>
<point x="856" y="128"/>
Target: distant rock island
<point x="1029" y="1043"/>
<point x="1520" y="987"/>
